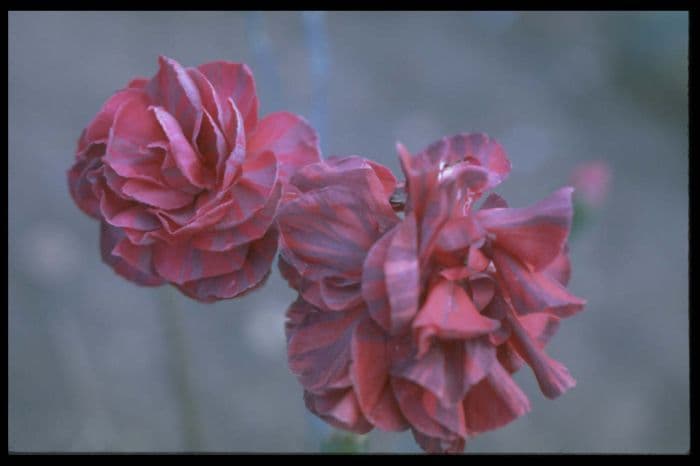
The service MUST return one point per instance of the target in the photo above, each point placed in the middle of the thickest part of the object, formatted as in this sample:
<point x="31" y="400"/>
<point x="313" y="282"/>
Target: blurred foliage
<point x="344" y="442"/>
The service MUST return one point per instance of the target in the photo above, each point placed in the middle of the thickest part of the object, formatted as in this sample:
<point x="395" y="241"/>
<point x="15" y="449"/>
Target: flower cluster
<point x="418" y="321"/>
<point x="417" y="300"/>
<point x="186" y="181"/>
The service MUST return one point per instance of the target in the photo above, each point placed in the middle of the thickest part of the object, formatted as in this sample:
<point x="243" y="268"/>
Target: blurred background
<point x="98" y="364"/>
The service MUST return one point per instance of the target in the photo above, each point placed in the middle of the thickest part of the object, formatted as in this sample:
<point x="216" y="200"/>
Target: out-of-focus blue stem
<point x="265" y="68"/>
<point x="317" y="43"/>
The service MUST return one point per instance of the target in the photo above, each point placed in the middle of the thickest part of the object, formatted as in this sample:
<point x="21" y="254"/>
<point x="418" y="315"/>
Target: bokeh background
<point x="99" y="364"/>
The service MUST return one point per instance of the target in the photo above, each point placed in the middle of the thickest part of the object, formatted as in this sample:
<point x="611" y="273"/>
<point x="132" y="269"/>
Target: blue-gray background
<point x="98" y="364"/>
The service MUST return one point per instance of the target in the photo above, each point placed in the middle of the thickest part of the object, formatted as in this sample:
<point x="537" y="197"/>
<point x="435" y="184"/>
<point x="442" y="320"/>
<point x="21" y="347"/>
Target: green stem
<point x="171" y="315"/>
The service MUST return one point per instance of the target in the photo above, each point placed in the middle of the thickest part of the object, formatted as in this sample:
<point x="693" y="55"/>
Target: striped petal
<point x="181" y="150"/>
<point x="535" y="234"/>
<point x="494" y="402"/>
<point x="110" y="237"/>
<point x="293" y="141"/>
<point x="552" y="376"/>
<point x="176" y="93"/>
<point x="402" y="273"/>
<point x="319" y="348"/>
<point x="475" y="148"/>
<point x="235" y="81"/>
<point x="370" y="377"/>
<point x="532" y="292"/>
<point x="339" y="408"/>
<point x="253" y="273"/>
<point x="181" y="263"/>
<point x="249" y="230"/>
<point x="448" y="313"/>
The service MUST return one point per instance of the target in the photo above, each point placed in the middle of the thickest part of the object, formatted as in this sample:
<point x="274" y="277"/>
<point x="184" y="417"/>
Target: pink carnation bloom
<point x="186" y="180"/>
<point x="418" y="322"/>
<point x="592" y="182"/>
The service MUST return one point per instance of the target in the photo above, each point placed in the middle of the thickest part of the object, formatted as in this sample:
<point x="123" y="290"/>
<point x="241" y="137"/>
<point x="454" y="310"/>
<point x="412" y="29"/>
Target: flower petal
<point x="235" y="81"/>
<point x="249" y="230"/>
<point x="81" y="189"/>
<point x="155" y="195"/>
<point x="552" y="376"/>
<point x="532" y="292"/>
<point x="329" y="229"/>
<point x="175" y="91"/>
<point x="181" y="263"/>
<point x="560" y="268"/>
<point x="403" y="274"/>
<point x="120" y="212"/>
<point x="97" y="131"/>
<point x="369" y="372"/>
<point x="252" y="274"/>
<point x="374" y="289"/>
<point x="111" y="237"/>
<point x="410" y="397"/>
<point x="211" y="143"/>
<point x="375" y="182"/>
<point x="475" y="148"/>
<point x="339" y="408"/>
<point x="494" y="402"/>
<point x="293" y="141"/>
<point x="181" y="150"/>
<point x="319" y="348"/>
<point x="438" y="445"/>
<point x="448" y="313"/>
<point x="535" y="234"/>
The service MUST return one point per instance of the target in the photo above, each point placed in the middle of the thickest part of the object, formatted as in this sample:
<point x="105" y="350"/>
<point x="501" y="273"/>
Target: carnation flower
<point x="418" y="321"/>
<point x="186" y="180"/>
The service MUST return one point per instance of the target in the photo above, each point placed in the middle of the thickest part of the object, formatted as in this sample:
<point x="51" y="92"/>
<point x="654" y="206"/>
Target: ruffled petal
<point x="369" y="372"/>
<point x="372" y="181"/>
<point x="181" y="150"/>
<point x="532" y="292"/>
<point x="438" y="445"/>
<point x="176" y="93"/>
<point x="329" y="229"/>
<point x="560" y="268"/>
<point x="456" y="235"/>
<point x="235" y="81"/>
<point x="120" y="212"/>
<point x="494" y="402"/>
<point x="230" y="168"/>
<point x="252" y="274"/>
<point x="403" y="274"/>
<point x="111" y="237"/>
<point x="132" y="148"/>
<point x="339" y="408"/>
<point x="535" y="234"/>
<point x="374" y="290"/>
<point x="181" y="263"/>
<point x="97" y="131"/>
<point x="213" y="105"/>
<point x="211" y="143"/>
<point x="155" y="195"/>
<point x="81" y="189"/>
<point x="252" y="229"/>
<point x="319" y="348"/>
<point x="439" y="369"/>
<point x="448" y="313"/>
<point x="293" y="141"/>
<point x="552" y="376"/>
<point x="476" y="148"/>
<point x="411" y="398"/>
